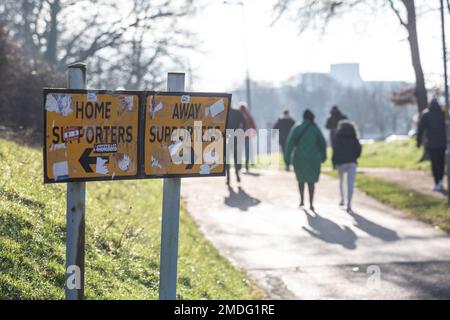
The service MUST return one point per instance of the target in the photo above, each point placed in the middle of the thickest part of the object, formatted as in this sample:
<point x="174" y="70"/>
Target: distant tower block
<point x="347" y="74"/>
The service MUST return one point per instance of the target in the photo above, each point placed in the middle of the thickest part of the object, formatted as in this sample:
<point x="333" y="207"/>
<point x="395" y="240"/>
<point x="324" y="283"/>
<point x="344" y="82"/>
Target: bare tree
<point x="318" y="13"/>
<point x="129" y="39"/>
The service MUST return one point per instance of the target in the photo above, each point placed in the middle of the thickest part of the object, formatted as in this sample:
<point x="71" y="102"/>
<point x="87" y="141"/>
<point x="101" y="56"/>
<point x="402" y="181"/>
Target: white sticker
<point x="175" y="147"/>
<point x="216" y="108"/>
<point x="127" y="103"/>
<point x="100" y="166"/>
<point x="60" y="103"/>
<point x="92" y="97"/>
<point x="61" y="170"/>
<point x="206" y="169"/>
<point x="155" y="163"/>
<point x="124" y="164"/>
<point x="57" y="146"/>
<point x="211" y="157"/>
<point x="185" y="99"/>
<point x="158" y="107"/>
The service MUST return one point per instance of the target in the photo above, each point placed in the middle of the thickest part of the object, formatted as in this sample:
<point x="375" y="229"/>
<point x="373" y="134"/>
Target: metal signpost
<point x="98" y="135"/>
<point x="170" y="219"/>
<point x="166" y="113"/>
<point x="75" y="212"/>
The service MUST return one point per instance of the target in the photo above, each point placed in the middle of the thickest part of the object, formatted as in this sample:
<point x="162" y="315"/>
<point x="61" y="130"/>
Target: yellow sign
<point x="90" y="135"/>
<point x="184" y="134"/>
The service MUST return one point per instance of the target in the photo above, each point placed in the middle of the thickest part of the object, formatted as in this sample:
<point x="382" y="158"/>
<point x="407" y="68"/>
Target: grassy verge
<point x="418" y="205"/>
<point x="395" y="154"/>
<point x="122" y="239"/>
<point x="273" y="161"/>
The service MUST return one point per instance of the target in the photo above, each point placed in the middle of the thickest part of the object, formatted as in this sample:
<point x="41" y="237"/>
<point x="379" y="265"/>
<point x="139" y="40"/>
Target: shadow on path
<point x="240" y="199"/>
<point x="253" y="174"/>
<point x="330" y="232"/>
<point x="374" y="229"/>
<point x="428" y="279"/>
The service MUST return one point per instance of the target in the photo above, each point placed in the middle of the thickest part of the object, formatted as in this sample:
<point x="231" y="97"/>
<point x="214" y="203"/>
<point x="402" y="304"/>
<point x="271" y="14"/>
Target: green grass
<point x="418" y="205"/>
<point x="395" y="154"/>
<point x="123" y="223"/>
<point x="270" y="161"/>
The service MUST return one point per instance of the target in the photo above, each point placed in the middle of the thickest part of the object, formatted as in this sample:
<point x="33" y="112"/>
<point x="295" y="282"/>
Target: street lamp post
<point x="247" y="72"/>
<point x="444" y="48"/>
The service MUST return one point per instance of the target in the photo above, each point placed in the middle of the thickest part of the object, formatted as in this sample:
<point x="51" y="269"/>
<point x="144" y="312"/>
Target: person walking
<point x="332" y="122"/>
<point x="250" y="132"/>
<point x="235" y="121"/>
<point x="306" y="150"/>
<point x="432" y="124"/>
<point x="284" y="124"/>
<point x="346" y="151"/>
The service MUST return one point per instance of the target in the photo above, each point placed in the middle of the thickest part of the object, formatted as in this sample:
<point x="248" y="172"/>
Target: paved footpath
<point x="375" y="253"/>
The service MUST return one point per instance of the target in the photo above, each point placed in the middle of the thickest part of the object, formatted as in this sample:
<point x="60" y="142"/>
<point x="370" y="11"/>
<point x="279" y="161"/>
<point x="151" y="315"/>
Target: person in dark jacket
<point x="432" y="124"/>
<point x="250" y="132"/>
<point x="284" y="125"/>
<point x="346" y="151"/>
<point x="235" y="121"/>
<point x="332" y="122"/>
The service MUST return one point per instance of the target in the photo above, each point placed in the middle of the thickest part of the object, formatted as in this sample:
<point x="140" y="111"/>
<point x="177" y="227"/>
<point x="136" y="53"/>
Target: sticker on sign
<point x="95" y="134"/>
<point x="185" y="137"/>
<point x="97" y="131"/>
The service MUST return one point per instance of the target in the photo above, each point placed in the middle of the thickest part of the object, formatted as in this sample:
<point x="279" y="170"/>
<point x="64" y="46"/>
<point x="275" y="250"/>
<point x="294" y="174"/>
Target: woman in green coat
<point x="306" y="150"/>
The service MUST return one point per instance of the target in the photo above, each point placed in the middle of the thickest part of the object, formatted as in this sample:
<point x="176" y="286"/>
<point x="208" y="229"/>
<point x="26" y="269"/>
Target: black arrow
<point x="191" y="164"/>
<point x="86" y="160"/>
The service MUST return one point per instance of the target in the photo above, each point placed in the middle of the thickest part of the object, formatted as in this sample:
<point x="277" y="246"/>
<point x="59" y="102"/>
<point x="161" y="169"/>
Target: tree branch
<point x="397" y="13"/>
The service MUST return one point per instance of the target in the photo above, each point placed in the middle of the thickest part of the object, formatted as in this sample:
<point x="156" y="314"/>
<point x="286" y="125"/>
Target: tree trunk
<point x="52" y="35"/>
<point x="27" y="34"/>
<point x="411" y="26"/>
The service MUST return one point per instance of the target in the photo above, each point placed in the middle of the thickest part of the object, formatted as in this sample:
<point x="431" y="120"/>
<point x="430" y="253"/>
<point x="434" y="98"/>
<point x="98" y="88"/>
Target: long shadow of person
<point x="240" y="199"/>
<point x="328" y="231"/>
<point x="250" y="173"/>
<point x="374" y="229"/>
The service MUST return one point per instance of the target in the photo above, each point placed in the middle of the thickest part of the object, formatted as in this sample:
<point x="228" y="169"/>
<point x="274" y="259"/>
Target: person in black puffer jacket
<point x="432" y="123"/>
<point x="346" y="151"/>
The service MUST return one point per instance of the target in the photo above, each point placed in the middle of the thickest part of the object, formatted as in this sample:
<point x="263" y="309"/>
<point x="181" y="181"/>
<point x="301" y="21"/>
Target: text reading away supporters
<point x="96" y="135"/>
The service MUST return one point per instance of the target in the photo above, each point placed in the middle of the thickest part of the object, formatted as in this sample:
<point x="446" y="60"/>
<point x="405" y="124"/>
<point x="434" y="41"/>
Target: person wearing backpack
<point x="346" y="151"/>
<point x="306" y="150"/>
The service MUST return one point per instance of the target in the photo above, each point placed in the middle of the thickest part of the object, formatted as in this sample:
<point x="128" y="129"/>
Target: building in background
<point x="368" y="103"/>
<point x="347" y="74"/>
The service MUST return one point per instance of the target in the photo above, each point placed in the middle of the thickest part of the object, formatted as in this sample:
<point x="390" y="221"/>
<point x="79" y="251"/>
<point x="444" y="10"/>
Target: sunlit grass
<point x="396" y="154"/>
<point x="270" y="161"/>
<point x="424" y="207"/>
<point x="418" y="205"/>
<point x="123" y="223"/>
